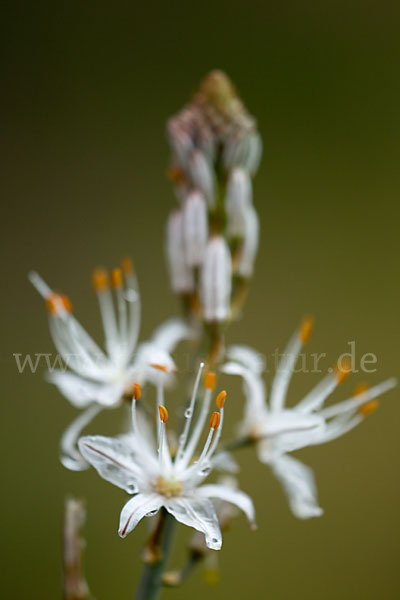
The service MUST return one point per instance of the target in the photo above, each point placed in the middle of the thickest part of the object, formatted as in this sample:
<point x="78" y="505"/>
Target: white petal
<point x="114" y="460"/>
<point x="237" y="497"/>
<point x="298" y="482"/>
<point x="284" y="372"/>
<point x="195" y="228"/>
<point x="135" y="509"/>
<point x="70" y="457"/>
<point x="237" y="200"/>
<point x="81" y="392"/>
<point x="198" y="513"/>
<point x="248" y="357"/>
<point x="249" y="247"/>
<point x="224" y="461"/>
<point x="253" y="386"/>
<point x="181" y="275"/>
<point x="168" y="335"/>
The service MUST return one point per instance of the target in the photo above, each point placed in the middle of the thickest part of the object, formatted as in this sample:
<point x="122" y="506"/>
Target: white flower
<point x="278" y="430"/>
<point x="98" y="378"/>
<point x="216" y="280"/>
<point x="156" y="479"/>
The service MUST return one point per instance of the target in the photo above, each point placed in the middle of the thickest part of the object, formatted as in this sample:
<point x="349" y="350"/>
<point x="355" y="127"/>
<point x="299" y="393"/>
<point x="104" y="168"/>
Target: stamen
<point x="163" y="413"/>
<point x="215" y="420"/>
<point x="210" y="381"/>
<point x="100" y="280"/>
<point x="368" y="408"/>
<point x="116" y="278"/>
<point x="189" y="413"/>
<point x="127" y="265"/>
<point x="56" y="303"/>
<point x="159" y="367"/>
<point x="137" y="391"/>
<point x="360" y="389"/>
<point x="343" y="370"/>
<point x="306" y="329"/>
<point x="220" y="400"/>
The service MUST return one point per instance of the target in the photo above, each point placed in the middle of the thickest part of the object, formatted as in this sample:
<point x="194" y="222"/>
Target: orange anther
<point x="163" y="413"/>
<point x="220" y="400"/>
<point x="368" y="408"/>
<point x="306" y="329"/>
<point x="215" y="420"/>
<point x="137" y="391"/>
<point x="100" y="280"/>
<point x="210" y="381"/>
<point x="55" y="303"/>
<point x="361" y="388"/>
<point x="127" y="265"/>
<point x="159" y="367"/>
<point x="116" y="278"/>
<point x="343" y="370"/>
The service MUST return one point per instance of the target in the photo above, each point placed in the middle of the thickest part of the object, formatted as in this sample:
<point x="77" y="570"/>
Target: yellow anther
<point x="159" y="367"/>
<point x="368" y="408"/>
<point x="100" y="280"/>
<point x="215" y="420"/>
<point x="306" y="329"/>
<point x="210" y="381"/>
<point x="163" y="413"/>
<point x="137" y="391"/>
<point x="361" y="388"/>
<point x="56" y="303"/>
<point x="343" y="370"/>
<point x="116" y="278"/>
<point x="220" y="400"/>
<point x="127" y="265"/>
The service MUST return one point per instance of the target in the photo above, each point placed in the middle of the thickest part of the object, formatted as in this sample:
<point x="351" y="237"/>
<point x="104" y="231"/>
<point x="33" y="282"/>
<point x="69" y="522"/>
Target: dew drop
<point x="205" y="470"/>
<point x="152" y="513"/>
<point x="188" y="413"/>
<point x="131" y="488"/>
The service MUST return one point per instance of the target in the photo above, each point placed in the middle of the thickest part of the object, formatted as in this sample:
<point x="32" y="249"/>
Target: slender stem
<point x="160" y="546"/>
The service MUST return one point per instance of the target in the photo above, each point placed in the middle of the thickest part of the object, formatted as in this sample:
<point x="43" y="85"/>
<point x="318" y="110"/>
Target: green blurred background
<point x="86" y="92"/>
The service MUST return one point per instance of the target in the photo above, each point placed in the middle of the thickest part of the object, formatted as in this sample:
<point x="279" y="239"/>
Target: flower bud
<point x="179" y="140"/>
<point x="216" y="280"/>
<point x="202" y="175"/>
<point x="238" y="199"/>
<point x="250" y="244"/>
<point x="195" y="228"/>
<point x="182" y="281"/>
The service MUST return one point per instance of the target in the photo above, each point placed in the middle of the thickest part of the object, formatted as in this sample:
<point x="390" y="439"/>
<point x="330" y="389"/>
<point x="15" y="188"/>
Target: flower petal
<point x="248" y="357"/>
<point x="81" y="392"/>
<point x="298" y="482"/>
<point x="168" y="335"/>
<point x="198" y="513"/>
<point x="70" y="456"/>
<point x="237" y="497"/>
<point x="253" y="386"/>
<point x="135" y="509"/>
<point x="224" y="461"/>
<point x="114" y="460"/>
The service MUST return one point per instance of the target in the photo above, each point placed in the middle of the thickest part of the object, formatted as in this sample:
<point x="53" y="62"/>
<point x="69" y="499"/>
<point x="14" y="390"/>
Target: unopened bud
<point x="216" y="281"/>
<point x="238" y="199"/>
<point x="182" y="281"/>
<point x="202" y="175"/>
<point x="195" y="228"/>
<point x="249" y="248"/>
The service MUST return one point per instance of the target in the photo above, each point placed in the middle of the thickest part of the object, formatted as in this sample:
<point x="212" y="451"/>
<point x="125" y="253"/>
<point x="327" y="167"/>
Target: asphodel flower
<point x="157" y="477"/>
<point x="97" y="378"/>
<point x="277" y="429"/>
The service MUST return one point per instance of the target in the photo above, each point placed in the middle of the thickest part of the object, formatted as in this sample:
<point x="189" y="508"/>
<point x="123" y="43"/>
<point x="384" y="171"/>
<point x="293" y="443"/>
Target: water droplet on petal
<point x="205" y="471"/>
<point x="152" y="513"/>
<point x="131" y="488"/>
<point x="188" y="413"/>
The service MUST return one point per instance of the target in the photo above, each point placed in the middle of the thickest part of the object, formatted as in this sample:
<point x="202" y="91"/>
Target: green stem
<point x="160" y="546"/>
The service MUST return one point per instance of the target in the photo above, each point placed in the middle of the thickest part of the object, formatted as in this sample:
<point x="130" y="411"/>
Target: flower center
<point x="169" y="487"/>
